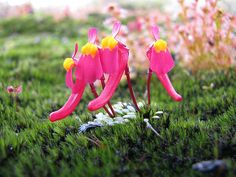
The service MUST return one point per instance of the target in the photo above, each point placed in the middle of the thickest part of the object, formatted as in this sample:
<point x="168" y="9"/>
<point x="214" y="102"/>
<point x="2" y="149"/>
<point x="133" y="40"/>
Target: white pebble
<point x="119" y="119"/>
<point x="118" y="111"/>
<point x="117" y="106"/>
<point x="145" y="120"/>
<point x="131" y="108"/>
<point x="131" y="113"/>
<point x="140" y="104"/>
<point x="156" y="117"/>
<point x="99" y="115"/>
<point x="125" y="104"/>
<point x="129" y="116"/>
<point x="159" y="112"/>
<point x="126" y="110"/>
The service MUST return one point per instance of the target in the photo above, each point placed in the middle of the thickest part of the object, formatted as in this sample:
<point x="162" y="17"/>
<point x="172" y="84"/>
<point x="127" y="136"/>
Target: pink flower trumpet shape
<point x="87" y="70"/>
<point x="114" y="60"/>
<point x="161" y="63"/>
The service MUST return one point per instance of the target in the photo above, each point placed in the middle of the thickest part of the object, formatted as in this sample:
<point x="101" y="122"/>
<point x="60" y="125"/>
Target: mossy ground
<point x="202" y="127"/>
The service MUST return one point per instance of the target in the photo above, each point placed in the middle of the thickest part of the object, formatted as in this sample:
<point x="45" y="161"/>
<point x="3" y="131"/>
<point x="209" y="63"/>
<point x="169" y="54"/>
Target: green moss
<point x="202" y="127"/>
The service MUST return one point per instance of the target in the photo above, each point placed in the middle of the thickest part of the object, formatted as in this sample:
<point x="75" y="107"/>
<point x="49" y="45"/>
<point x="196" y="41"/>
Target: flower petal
<point x="92" y="35"/>
<point x="89" y="68"/>
<point x="112" y="83"/>
<point x="71" y="103"/>
<point x="75" y="51"/>
<point x="116" y="28"/>
<point x="165" y="81"/>
<point x="19" y="89"/>
<point x="110" y="60"/>
<point x="161" y="62"/>
<point x="155" y="32"/>
<point x="69" y="79"/>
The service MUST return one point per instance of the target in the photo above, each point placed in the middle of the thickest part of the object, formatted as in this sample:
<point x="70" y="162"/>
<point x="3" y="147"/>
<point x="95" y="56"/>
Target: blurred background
<point x="191" y="27"/>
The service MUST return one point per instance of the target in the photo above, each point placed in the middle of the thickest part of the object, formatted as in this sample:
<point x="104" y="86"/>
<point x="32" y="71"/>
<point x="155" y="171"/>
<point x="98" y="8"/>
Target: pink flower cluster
<point x="14" y="90"/>
<point x="137" y="33"/>
<point x="204" y="38"/>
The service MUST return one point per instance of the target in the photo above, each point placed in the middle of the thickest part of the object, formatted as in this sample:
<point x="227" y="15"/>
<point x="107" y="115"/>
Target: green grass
<point x="202" y="127"/>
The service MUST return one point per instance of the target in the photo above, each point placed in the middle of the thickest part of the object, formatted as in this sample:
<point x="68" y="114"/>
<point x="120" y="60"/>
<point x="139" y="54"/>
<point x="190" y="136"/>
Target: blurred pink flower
<point x="136" y="25"/>
<point x="14" y="90"/>
<point x="204" y="36"/>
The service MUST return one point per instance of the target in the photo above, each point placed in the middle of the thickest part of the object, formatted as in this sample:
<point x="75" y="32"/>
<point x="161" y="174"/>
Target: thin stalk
<point x="93" y="89"/>
<point x="109" y="103"/>
<point x="130" y="87"/>
<point x="148" y="85"/>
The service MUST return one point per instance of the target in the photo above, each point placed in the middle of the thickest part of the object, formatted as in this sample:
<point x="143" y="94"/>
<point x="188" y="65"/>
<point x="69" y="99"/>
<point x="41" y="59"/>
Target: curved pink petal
<point x="116" y="28"/>
<point x="75" y="51"/>
<point x="149" y="52"/>
<point x="92" y="35"/>
<point x="112" y="83"/>
<point x="89" y="68"/>
<point x="155" y="32"/>
<point x="160" y="62"/>
<point x="69" y="79"/>
<point x="109" y="60"/>
<point x="165" y="81"/>
<point x="71" y="103"/>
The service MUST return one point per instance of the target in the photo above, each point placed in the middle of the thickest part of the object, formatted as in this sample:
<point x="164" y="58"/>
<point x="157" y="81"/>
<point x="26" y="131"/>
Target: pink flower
<point x="88" y="69"/>
<point x="14" y="90"/>
<point x="114" y="60"/>
<point x="161" y="63"/>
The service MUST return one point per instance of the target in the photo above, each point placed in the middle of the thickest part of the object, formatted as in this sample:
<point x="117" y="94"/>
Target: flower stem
<point x="130" y="87"/>
<point x="93" y="89"/>
<point x="148" y="86"/>
<point x="109" y="103"/>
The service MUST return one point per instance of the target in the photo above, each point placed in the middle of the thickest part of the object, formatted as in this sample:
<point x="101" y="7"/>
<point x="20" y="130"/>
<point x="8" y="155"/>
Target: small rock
<point x="140" y="104"/>
<point x="110" y="123"/>
<point x="88" y="126"/>
<point x="145" y="120"/>
<point x="131" y="108"/>
<point x="108" y="120"/>
<point x="156" y="117"/>
<point x="212" y="85"/>
<point x="117" y="106"/>
<point x="216" y="166"/>
<point x="159" y="112"/>
<point x="126" y="110"/>
<point x="119" y="119"/>
<point x="99" y="115"/>
<point x="129" y="116"/>
<point x="131" y="113"/>
<point x="118" y="111"/>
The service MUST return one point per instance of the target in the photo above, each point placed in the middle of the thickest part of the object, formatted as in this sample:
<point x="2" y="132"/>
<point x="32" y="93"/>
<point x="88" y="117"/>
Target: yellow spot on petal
<point x="89" y="49"/>
<point x="109" y="42"/>
<point x="68" y="63"/>
<point x="160" y="45"/>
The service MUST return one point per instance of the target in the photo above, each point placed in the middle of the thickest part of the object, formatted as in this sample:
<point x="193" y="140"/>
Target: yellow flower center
<point x="68" y="63"/>
<point x="160" y="45"/>
<point x="89" y="49"/>
<point x="109" y="42"/>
